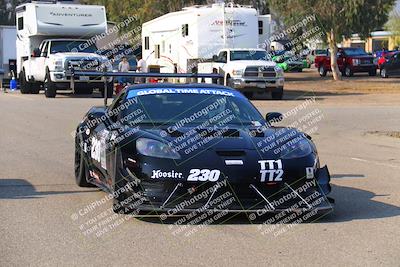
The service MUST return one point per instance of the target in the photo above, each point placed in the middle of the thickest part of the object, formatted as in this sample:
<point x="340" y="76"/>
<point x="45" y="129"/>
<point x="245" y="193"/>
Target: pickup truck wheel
<point x="277" y="95"/>
<point x="384" y="73"/>
<point x="50" y="90"/>
<point x="348" y="72"/>
<point x="322" y="71"/>
<point x="25" y="86"/>
<point x="372" y="72"/>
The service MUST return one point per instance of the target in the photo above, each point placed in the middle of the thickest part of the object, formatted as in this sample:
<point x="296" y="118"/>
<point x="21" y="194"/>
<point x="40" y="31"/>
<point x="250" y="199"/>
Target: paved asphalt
<point x="40" y="204"/>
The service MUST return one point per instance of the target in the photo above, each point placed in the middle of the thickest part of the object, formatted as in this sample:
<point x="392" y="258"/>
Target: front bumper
<point x="364" y="68"/>
<point x="173" y="198"/>
<point x="257" y="83"/>
<point x="63" y="77"/>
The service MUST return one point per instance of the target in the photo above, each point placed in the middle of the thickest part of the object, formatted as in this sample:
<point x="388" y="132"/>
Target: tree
<point x="7" y="11"/>
<point x="393" y="25"/>
<point x="338" y="18"/>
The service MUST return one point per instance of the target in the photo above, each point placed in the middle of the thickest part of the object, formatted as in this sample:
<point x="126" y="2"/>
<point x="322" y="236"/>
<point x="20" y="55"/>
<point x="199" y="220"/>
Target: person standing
<point x="141" y="68"/>
<point x="123" y="66"/>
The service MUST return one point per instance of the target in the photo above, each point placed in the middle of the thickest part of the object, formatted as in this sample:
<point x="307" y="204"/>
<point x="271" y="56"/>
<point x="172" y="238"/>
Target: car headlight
<point x="58" y="65"/>
<point x="237" y="72"/>
<point x="356" y="61"/>
<point x="296" y="149"/>
<point x="154" y="148"/>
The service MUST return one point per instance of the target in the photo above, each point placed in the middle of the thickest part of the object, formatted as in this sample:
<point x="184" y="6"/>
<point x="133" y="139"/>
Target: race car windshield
<point x="71" y="46"/>
<point x="191" y="109"/>
<point x="249" y="55"/>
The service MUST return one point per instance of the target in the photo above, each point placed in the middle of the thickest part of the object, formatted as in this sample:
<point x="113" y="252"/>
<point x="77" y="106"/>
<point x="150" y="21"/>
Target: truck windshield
<point x="249" y="55"/>
<point x="355" y="52"/>
<point x="71" y="46"/>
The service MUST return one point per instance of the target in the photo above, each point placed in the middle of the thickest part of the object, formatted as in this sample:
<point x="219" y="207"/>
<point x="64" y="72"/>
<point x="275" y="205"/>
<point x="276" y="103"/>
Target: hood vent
<point x="218" y="133"/>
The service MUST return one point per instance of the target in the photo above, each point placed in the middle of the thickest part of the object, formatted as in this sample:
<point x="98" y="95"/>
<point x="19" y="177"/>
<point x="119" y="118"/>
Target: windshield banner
<point x="203" y="91"/>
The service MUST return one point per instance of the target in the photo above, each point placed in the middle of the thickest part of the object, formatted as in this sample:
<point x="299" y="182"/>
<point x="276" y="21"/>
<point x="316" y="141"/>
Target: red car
<point x="350" y="60"/>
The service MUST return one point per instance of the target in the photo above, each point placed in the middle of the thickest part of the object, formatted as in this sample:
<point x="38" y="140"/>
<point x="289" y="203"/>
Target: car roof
<point x="175" y="85"/>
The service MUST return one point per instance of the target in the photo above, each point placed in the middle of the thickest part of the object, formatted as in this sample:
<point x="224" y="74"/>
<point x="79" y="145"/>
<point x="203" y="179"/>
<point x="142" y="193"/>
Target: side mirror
<point x="215" y="58"/>
<point x="272" y="117"/>
<point x="36" y="52"/>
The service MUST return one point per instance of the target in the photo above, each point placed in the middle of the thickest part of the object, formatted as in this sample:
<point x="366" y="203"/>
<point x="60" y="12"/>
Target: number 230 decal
<point x="203" y="175"/>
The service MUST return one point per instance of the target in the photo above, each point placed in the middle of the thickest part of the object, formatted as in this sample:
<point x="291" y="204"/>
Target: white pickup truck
<point x="247" y="70"/>
<point x="50" y="63"/>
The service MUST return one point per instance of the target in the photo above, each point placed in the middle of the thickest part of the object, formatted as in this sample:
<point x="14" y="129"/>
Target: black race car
<point x="168" y="149"/>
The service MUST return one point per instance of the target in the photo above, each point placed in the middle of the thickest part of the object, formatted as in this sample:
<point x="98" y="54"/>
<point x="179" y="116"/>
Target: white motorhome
<point x="185" y="41"/>
<point x="177" y="40"/>
<point x="52" y="38"/>
<point x="8" y="54"/>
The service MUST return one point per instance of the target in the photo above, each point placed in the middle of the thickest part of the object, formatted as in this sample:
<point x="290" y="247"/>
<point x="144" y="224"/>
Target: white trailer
<point x="178" y="41"/>
<point x="187" y="41"/>
<point x="51" y="38"/>
<point x="8" y="53"/>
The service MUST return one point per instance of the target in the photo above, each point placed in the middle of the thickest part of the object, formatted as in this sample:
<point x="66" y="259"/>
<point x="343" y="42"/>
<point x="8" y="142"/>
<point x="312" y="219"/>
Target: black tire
<point x="25" y="87"/>
<point x="110" y="90"/>
<point x="322" y="71"/>
<point x="372" y="73"/>
<point x="248" y="95"/>
<point x="80" y="166"/>
<point x="50" y="90"/>
<point x="348" y="72"/>
<point x="277" y="95"/>
<point x="384" y="73"/>
<point x="84" y="91"/>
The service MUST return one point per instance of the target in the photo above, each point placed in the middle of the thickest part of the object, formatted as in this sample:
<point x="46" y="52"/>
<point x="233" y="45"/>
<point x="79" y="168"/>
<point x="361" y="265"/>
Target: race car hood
<point x="222" y="139"/>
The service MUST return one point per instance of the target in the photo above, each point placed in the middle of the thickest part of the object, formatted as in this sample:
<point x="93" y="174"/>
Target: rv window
<point x="146" y="43"/>
<point x="20" y="23"/>
<point x="260" y="27"/>
<point x="185" y="30"/>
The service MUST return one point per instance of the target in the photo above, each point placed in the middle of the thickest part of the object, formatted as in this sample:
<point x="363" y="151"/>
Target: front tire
<point x="81" y="169"/>
<point x="348" y="72"/>
<point x="384" y="73"/>
<point x="322" y="71"/>
<point x="25" y="87"/>
<point x="50" y="90"/>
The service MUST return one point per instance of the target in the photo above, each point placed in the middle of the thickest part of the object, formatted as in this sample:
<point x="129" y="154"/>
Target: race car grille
<point x="260" y="71"/>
